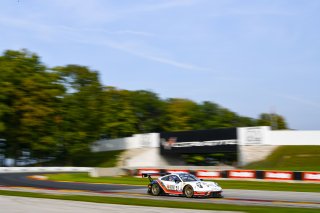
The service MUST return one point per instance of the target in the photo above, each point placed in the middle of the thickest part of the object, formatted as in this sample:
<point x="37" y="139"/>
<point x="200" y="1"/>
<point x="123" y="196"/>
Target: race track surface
<point x="36" y="205"/>
<point x="232" y="196"/>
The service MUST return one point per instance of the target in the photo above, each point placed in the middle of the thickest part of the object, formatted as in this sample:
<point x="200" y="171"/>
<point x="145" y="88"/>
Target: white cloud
<point x="47" y="32"/>
<point x="133" y="49"/>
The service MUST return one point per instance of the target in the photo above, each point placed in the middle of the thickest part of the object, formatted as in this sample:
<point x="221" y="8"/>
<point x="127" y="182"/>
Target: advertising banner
<point x="278" y="175"/>
<point x="199" y="142"/>
<point x="242" y="174"/>
<point x="311" y="176"/>
<point x="205" y="174"/>
<point x="149" y="171"/>
<point x="177" y="171"/>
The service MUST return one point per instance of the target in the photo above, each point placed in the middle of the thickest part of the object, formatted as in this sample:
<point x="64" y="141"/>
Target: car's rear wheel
<point x="188" y="191"/>
<point x="155" y="190"/>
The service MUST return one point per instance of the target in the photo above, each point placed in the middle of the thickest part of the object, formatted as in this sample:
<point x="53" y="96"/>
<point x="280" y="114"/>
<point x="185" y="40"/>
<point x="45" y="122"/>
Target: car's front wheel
<point x="155" y="190"/>
<point x="188" y="191"/>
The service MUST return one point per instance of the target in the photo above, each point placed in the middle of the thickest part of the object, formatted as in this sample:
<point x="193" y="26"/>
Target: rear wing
<point x="148" y="175"/>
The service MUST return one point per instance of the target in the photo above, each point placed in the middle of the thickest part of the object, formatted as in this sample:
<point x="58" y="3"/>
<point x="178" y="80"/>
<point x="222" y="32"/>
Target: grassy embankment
<point x="89" y="159"/>
<point x="160" y="203"/>
<point x="226" y="184"/>
<point x="291" y="158"/>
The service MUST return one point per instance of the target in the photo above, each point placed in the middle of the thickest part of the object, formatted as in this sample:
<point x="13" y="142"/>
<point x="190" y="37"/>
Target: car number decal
<point x="171" y="187"/>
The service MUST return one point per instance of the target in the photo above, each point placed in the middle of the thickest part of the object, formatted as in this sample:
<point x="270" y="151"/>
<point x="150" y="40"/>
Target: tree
<point x="181" y="114"/>
<point x="274" y="120"/>
<point x="148" y="110"/>
<point x="119" y="119"/>
<point x="80" y="111"/>
<point x="28" y="103"/>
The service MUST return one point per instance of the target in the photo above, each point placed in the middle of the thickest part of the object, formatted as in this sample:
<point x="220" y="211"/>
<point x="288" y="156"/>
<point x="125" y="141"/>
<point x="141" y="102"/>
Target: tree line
<point x="59" y="111"/>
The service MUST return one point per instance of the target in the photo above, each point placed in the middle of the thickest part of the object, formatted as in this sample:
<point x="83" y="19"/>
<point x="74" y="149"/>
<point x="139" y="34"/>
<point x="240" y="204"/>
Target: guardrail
<point x="272" y="175"/>
<point x="44" y="169"/>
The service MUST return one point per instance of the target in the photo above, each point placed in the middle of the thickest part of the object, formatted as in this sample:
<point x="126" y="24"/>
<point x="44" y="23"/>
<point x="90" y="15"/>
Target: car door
<point x="170" y="183"/>
<point x="178" y="183"/>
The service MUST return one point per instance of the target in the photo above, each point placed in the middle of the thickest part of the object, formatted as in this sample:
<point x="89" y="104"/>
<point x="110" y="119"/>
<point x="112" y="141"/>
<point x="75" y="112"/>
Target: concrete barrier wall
<point x="150" y="140"/>
<point x="256" y="143"/>
<point x="44" y="169"/>
<point x="293" y="137"/>
<point x="263" y="135"/>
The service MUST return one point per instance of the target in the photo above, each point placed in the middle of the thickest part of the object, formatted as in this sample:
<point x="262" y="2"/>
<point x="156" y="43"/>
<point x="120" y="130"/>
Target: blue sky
<point x="250" y="56"/>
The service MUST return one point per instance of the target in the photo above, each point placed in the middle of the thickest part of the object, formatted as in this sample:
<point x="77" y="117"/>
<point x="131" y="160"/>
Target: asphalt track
<point x="232" y="196"/>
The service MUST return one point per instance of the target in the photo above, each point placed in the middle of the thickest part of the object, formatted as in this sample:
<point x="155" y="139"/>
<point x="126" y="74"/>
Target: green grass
<point x="225" y="184"/>
<point x="97" y="159"/>
<point x="160" y="203"/>
<point x="292" y="158"/>
<point x="269" y="186"/>
<point x="84" y="177"/>
<point x="88" y="159"/>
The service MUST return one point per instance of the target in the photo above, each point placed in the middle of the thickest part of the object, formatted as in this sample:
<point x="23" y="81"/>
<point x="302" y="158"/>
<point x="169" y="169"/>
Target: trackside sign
<point x="311" y="176"/>
<point x="223" y="140"/>
<point x="205" y="174"/>
<point x="278" y="175"/>
<point x="148" y="171"/>
<point x="177" y="171"/>
<point x="242" y="174"/>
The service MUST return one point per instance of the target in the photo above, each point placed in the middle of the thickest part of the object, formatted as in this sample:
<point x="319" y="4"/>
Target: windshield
<point x="188" y="177"/>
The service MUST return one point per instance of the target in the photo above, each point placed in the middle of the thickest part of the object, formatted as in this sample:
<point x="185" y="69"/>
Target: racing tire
<point x="188" y="191"/>
<point x="155" y="190"/>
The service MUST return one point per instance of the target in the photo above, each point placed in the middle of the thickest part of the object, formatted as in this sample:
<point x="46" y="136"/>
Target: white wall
<point x="134" y="142"/>
<point x="256" y="143"/>
<point x="293" y="137"/>
<point x="44" y="169"/>
<point x="265" y="136"/>
<point x="248" y="136"/>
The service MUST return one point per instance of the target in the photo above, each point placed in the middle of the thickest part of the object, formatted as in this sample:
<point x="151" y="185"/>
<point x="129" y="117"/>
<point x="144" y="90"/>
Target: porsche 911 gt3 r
<point x="183" y="184"/>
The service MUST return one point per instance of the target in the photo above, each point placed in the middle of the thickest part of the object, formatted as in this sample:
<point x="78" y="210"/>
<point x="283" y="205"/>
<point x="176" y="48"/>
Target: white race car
<point x="183" y="184"/>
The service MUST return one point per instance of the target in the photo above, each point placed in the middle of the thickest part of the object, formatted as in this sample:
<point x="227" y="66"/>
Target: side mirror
<point x="177" y="181"/>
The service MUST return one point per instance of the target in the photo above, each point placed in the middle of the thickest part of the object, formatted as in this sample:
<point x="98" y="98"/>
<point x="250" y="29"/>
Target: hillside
<point x="295" y="158"/>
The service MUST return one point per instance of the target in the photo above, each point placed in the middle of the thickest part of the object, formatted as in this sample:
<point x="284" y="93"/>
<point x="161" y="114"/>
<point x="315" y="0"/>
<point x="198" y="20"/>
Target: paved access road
<point x="240" y="197"/>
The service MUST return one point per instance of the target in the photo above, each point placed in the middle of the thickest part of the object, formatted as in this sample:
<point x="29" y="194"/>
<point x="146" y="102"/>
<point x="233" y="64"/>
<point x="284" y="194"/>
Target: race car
<point x="183" y="184"/>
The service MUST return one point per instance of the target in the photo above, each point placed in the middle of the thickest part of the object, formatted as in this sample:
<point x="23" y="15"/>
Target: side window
<point x="176" y="178"/>
<point x="171" y="178"/>
<point x="165" y="178"/>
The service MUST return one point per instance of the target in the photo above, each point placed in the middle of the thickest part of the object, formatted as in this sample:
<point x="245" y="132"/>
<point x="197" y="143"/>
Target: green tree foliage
<point x="119" y="119"/>
<point x="79" y="118"/>
<point x="180" y="114"/>
<point x="274" y="120"/>
<point x="60" y="111"/>
<point x="148" y="110"/>
<point x="28" y="103"/>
